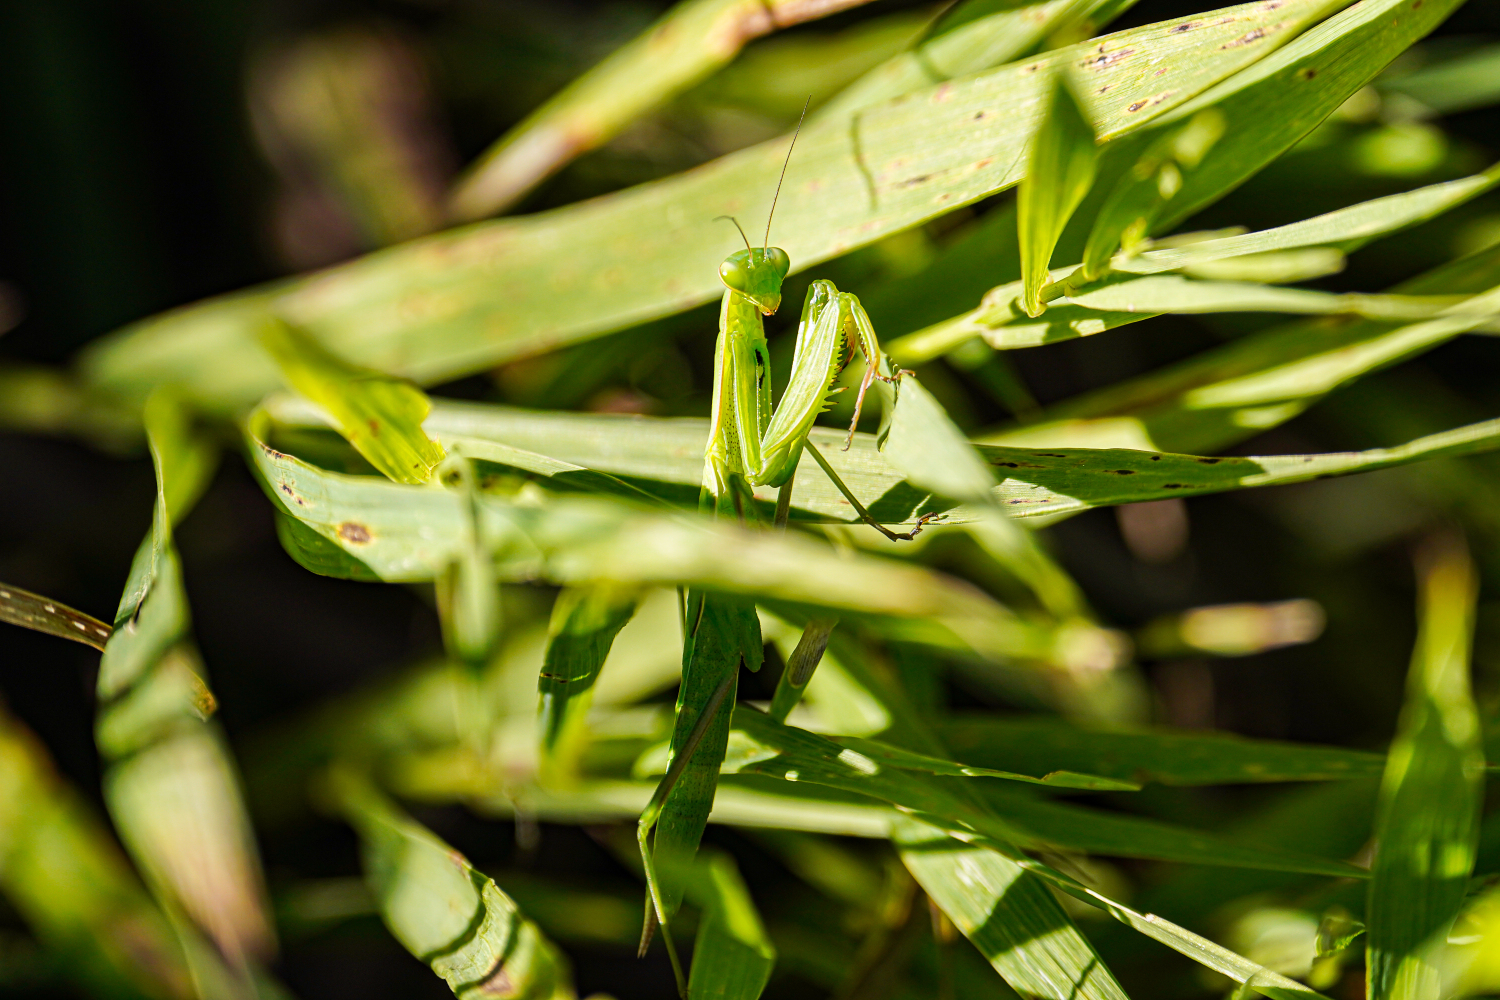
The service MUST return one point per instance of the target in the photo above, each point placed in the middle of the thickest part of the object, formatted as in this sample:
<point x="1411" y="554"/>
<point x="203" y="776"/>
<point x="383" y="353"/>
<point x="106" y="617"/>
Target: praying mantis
<point x="750" y="443"/>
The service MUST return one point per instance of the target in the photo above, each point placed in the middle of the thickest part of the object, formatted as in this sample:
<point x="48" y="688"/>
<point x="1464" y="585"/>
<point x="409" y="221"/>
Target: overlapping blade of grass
<point x="67" y="879"/>
<point x="1122" y="300"/>
<point x="1013" y="920"/>
<point x="872" y="756"/>
<point x="42" y="614"/>
<point x="1076" y="828"/>
<point x="583" y="628"/>
<point x="402" y="533"/>
<point x="721" y="633"/>
<point x="667" y="451"/>
<point x="1225" y="395"/>
<point x="733" y="956"/>
<point x="688" y="43"/>
<point x="924" y="444"/>
<point x="468" y="593"/>
<point x="1147" y="755"/>
<point x="1348" y="229"/>
<point x="1459" y="83"/>
<point x="1427" y="822"/>
<point x="458" y="303"/>
<point x="170" y="783"/>
<point x="379" y="415"/>
<point x="453" y="918"/>
<point x="1059" y="172"/>
<point x="971" y="38"/>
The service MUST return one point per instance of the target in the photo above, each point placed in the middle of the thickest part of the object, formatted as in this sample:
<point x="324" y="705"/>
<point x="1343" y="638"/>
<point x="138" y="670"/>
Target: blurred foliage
<point x="430" y="516"/>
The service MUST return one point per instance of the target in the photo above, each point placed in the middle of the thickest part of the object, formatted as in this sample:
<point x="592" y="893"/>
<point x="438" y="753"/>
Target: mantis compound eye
<point x="734" y="274"/>
<point x="777" y="258"/>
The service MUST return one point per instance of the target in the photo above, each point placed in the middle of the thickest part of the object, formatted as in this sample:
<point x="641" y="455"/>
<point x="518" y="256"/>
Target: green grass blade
<point x="407" y="533"/>
<point x="42" y="614"/>
<point x="68" y="881"/>
<point x="1041" y="483"/>
<point x="721" y="634"/>
<point x="1040" y="744"/>
<point x="1427" y="822"/>
<point x="468" y="593"/>
<point x="1059" y="172"/>
<point x="453" y="918"/>
<point x="170" y="783"/>
<point x="1460" y="83"/>
<point x="447" y="306"/>
<point x="1077" y="828"/>
<point x="1010" y="917"/>
<point x="584" y="624"/>
<point x="688" y="43"/>
<point x="969" y="40"/>
<point x="1347" y="228"/>
<point x="1225" y="395"/>
<point x="1271" y="105"/>
<point x="733" y="956"/>
<point x="379" y="415"/>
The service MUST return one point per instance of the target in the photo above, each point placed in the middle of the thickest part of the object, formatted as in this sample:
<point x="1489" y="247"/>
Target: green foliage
<point x="936" y="743"/>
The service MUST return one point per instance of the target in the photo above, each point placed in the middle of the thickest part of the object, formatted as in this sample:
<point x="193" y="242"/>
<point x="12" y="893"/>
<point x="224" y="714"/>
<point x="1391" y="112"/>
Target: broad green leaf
<point x="68" y="881"/>
<point x="970" y="38"/>
<point x="1012" y="919"/>
<point x="688" y="43"/>
<point x="1059" y="172"/>
<point x="584" y="624"/>
<point x="1272" y="104"/>
<point x="1226" y="134"/>
<point x="1427" y="822"/>
<point x="733" y="956"/>
<point x="404" y="533"/>
<point x="461" y="302"/>
<point x="379" y="415"/>
<point x="33" y="611"/>
<point x="450" y="916"/>
<point x="170" y="784"/>
<point x="1458" y="83"/>
<point x="721" y="633"/>
<point x="1141" y="755"/>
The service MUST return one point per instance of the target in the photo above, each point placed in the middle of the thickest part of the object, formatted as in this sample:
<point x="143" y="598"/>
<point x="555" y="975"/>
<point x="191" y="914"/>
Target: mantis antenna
<point x="737" y="226"/>
<point x="788" y="160"/>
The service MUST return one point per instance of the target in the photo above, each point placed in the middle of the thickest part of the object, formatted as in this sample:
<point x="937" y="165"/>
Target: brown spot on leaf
<point x="1210" y="461"/>
<point x="1186" y="26"/>
<point x="1307" y="73"/>
<point x="354" y="533"/>
<point x="1107" y="59"/>
<point x="374" y="426"/>
<point x="1123" y="472"/>
<point x="1138" y="105"/>
<point x="1174" y="486"/>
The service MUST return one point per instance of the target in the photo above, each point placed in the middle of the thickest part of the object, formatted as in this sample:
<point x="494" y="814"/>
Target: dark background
<point x="131" y="182"/>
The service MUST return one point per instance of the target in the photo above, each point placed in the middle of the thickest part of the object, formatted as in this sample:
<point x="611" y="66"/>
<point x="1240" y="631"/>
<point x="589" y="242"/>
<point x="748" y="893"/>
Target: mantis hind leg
<point x="859" y="508"/>
<point x="860" y="331"/>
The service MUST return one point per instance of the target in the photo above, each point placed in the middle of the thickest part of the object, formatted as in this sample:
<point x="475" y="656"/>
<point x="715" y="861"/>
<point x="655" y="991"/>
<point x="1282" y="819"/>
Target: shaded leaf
<point x="1427" y="821"/>
<point x="584" y="624"/>
<point x="733" y="956"/>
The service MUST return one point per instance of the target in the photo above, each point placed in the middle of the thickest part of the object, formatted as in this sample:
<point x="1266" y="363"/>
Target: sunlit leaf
<point x="1059" y="172"/>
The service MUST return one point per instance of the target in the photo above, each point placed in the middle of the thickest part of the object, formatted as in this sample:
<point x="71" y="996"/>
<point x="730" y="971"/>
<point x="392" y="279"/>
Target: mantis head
<point x="757" y="275"/>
